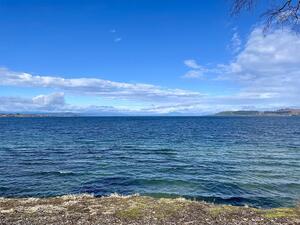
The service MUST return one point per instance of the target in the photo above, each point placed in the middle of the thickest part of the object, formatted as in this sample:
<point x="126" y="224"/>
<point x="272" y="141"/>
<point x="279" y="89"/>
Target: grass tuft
<point x="281" y="213"/>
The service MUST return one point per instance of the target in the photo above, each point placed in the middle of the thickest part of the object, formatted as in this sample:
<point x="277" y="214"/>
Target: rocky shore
<point x="136" y="210"/>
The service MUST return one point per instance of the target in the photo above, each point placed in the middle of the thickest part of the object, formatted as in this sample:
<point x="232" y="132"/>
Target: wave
<point x="59" y="173"/>
<point x="258" y="201"/>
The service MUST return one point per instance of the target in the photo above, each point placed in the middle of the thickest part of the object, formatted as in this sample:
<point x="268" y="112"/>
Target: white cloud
<point x="191" y="63"/>
<point x="52" y="102"/>
<point x="268" y="67"/>
<point x="97" y="87"/>
<point x="235" y="45"/>
<point x="55" y="102"/>
<point x="193" y="74"/>
<point x="196" y="71"/>
<point x="118" y="39"/>
<point x="265" y="74"/>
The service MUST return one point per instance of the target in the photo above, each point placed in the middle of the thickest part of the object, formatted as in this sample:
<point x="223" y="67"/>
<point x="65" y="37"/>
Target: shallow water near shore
<point x="233" y="160"/>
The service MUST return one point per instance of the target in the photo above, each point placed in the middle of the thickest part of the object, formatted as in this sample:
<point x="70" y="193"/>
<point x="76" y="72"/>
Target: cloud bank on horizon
<point x="266" y="72"/>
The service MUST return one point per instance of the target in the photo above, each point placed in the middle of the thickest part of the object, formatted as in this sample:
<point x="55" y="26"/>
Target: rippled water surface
<point x="250" y="160"/>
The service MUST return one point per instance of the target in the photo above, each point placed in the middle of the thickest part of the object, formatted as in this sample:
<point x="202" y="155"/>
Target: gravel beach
<point x="136" y="210"/>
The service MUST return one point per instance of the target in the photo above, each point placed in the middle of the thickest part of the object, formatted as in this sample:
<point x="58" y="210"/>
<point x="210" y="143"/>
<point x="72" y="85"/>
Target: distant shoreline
<point x="137" y="116"/>
<point x="249" y="113"/>
<point x="280" y="112"/>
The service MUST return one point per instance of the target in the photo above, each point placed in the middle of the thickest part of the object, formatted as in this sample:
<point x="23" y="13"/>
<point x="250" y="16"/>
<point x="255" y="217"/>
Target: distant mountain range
<point x="280" y="112"/>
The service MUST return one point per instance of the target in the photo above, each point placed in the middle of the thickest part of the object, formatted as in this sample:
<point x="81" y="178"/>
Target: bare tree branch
<point x="283" y="12"/>
<point x="239" y="5"/>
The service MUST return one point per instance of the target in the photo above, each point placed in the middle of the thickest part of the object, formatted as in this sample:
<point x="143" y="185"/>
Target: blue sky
<point x="141" y="57"/>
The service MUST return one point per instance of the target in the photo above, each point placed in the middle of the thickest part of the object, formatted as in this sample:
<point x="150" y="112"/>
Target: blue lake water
<point x="234" y="160"/>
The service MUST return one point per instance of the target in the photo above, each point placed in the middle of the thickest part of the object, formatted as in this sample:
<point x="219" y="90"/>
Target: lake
<point x="231" y="160"/>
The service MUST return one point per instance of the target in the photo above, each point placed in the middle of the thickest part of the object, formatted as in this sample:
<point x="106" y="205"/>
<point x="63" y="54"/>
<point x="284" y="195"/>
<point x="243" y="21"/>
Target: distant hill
<point x="280" y="112"/>
<point x="22" y="115"/>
